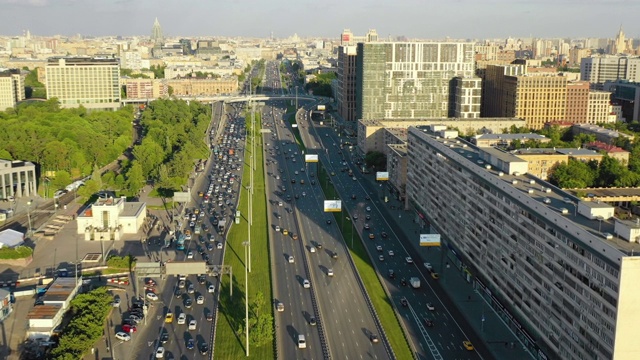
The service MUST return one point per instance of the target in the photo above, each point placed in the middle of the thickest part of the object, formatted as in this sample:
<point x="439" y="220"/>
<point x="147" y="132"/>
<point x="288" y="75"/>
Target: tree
<point x="376" y="160"/>
<point x="135" y="179"/>
<point x="62" y="179"/>
<point x="97" y="176"/>
<point x="574" y="174"/>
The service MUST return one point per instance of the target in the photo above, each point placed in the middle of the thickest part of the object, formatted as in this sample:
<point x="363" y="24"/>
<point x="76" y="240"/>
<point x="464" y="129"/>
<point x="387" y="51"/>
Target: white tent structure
<point x="11" y="238"/>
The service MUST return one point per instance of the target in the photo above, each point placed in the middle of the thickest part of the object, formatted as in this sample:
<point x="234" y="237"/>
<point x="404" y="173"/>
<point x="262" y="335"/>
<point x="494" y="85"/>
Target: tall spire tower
<point x="156" y="32"/>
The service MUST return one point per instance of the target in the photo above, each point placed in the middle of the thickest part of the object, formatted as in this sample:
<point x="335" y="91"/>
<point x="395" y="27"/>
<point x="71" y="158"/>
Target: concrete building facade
<point x="627" y="96"/>
<point x="599" y="109"/>
<point x="467" y="96"/>
<point x="111" y="218"/>
<point x="17" y="179"/>
<point x="577" y="101"/>
<point x="409" y="80"/>
<point x="91" y="82"/>
<point x="146" y="88"/>
<point x="564" y="288"/>
<point x="207" y="86"/>
<point x="11" y="88"/>
<point x="598" y="69"/>
<point x="346" y="89"/>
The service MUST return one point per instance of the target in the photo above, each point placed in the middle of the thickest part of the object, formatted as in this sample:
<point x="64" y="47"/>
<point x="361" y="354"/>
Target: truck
<point x="180" y="242"/>
<point x="415" y="282"/>
<point x="221" y="225"/>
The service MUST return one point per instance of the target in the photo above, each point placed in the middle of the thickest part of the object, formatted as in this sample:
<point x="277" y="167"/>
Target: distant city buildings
<point x="11" y="88"/>
<point x="146" y="89"/>
<point x="203" y="86"/>
<point x="90" y="82"/>
<point x="156" y="33"/>
<point x="599" y="69"/>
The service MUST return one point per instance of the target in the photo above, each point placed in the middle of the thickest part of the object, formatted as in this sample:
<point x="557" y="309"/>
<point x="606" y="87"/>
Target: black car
<point x="404" y="302"/>
<point x="384" y="234"/>
<point x="164" y="337"/>
<point x="293" y="181"/>
<point x="428" y="322"/>
<point x="204" y="348"/>
<point x="392" y="274"/>
<point x="328" y="222"/>
<point x="403" y="282"/>
<point x="353" y="196"/>
<point x="178" y="293"/>
<point x="312" y="321"/>
<point x="188" y="302"/>
<point x="367" y="197"/>
<point x="319" y="246"/>
<point x="202" y="279"/>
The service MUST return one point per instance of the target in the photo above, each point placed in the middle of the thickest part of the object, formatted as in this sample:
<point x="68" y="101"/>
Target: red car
<point x="129" y="328"/>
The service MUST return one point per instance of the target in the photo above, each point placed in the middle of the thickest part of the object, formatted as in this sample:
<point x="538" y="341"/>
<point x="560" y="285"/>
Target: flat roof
<point x="44" y="312"/>
<point x="501" y="155"/>
<point x="586" y="230"/>
<point x="510" y="136"/>
<point x="132" y="208"/>
<point x="578" y="152"/>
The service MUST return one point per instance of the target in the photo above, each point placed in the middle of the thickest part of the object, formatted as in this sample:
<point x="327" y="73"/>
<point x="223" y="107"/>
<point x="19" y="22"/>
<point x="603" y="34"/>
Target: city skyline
<point x="462" y="19"/>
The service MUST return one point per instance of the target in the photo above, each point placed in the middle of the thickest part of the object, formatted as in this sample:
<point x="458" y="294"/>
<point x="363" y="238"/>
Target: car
<point x="181" y="284"/>
<point x="123" y="336"/>
<point x="312" y="248"/>
<point x="318" y="246"/>
<point x="381" y="258"/>
<point x="374" y="338"/>
<point x="435" y="275"/>
<point x="329" y="272"/>
<point x="367" y="197"/>
<point x="116" y="302"/>
<point x="430" y="307"/>
<point x="366" y="226"/>
<point x="191" y="344"/>
<point x="403" y="282"/>
<point x="168" y="318"/>
<point x="379" y="248"/>
<point x="182" y="319"/>
<point x="428" y="322"/>
<point x="219" y="245"/>
<point x="391" y="253"/>
<point x="384" y="234"/>
<point x="404" y="302"/>
<point x="372" y="236"/>
<point x="368" y="217"/>
<point x="467" y="345"/>
<point x="188" y="303"/>
<point x="353" y="196"/>
<point x="202" y="279"/>
<point x="355" y="217"/>
<point x="190" y="255"/>
<point x="546" y="201"/>
<point x="164" y="337"/>
<point x="279" y="306"/>
<point x="306" y="284"/>
<point x="277" y="228"/>
<point x="279" y="203"/>
<point x="291" y="259"/>
<point x="392" y="274"/>
<point x="200" y="300"/>
<point x="328" y="222"/>
<point x="204" y="349"/>
<point x="294" y="236"/>
<point x="409" y="260"/>
<point x="193" y="324"/>
<point x="160" y="353"/>
<point x="211" y="289"/>
<point x="152" y="296"/>
<point x="312" y="321"/>
<point x="209" y="316"/>
<point x="191" y="289"/>
<point x="428" y="266"/>
<point x="128" y="328"/>
<point x="334" y="255"/>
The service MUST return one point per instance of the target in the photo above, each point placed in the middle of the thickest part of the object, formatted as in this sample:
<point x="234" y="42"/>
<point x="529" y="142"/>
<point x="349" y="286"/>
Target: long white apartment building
<point x="558" y="269"/>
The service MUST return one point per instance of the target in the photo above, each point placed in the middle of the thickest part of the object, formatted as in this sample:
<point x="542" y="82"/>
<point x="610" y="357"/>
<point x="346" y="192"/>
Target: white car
<point x="152" y="296"/>
<point x="123" y="336"/>
<point x="409" y="260"/>
<point x="211" y="289"/>
<point x="312" y="249"/>
<point x="291" y="260"/>
<point x="380" y="257"/>
<point x="160" y="353"/>
<point x="277" y="228"/>
<point x="379" y="248"/>
<point x="192" y="324"/>
<point x="190" y="255"/>
<point x="391" y="253"/>
<point x="330" y="272"/>
<point x="219" y="246"/>
<point x="430" y="307"/>
<point x="200" y="300"/>
<point x="306" y="284"/>
<point x="428" y="266"/>
<point x="182" y="319"/>
<point x="368" y="208"/>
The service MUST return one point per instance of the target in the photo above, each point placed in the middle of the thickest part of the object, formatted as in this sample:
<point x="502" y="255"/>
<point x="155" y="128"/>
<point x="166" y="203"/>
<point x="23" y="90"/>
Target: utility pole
<point x="246" y="296"/>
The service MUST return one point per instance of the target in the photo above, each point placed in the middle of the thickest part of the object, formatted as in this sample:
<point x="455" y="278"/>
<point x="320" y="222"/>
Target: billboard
<point x="382" y="175"/>
<point x="332" y="205"/>
<point x="312" y="158"/>
<point x="181" y="197"/>
<point x="429" y="239"/>
<point x="322" y="107"/>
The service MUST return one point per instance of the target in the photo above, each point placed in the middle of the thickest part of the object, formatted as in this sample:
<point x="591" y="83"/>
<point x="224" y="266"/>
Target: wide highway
<point x="433" y="331"/>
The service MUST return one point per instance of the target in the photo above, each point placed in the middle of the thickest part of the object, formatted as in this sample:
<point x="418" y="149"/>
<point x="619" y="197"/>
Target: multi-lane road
<point x="433" y="331"/>
<point x="333" y="311"/>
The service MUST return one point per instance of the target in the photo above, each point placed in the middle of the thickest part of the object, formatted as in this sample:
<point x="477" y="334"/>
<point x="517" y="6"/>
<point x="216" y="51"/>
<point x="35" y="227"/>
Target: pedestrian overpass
<point x="228" y="98"/>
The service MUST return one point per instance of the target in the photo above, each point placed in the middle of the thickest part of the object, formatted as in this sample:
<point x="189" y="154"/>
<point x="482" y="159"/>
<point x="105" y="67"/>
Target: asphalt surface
<point x="342" y="313"/>
<point x="150" y="333"/>
<point x="445" y="339"/>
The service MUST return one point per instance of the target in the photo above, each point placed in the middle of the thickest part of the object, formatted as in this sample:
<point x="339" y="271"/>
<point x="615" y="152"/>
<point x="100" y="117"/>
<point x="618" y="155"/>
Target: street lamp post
<point x="246" y="296"/>
<point x="29" y="231"/>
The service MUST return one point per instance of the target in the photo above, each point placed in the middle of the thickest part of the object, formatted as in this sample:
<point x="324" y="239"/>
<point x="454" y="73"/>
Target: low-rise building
<point x="44" y="318"/>
<point x="506" y="140"/>
<point x="202" y="87"/>
<point x="146" y="88"/>
<point x="17" y="178"/>
<point x="6" y="306"/>
<point x="611" y="150"/>
<point x="604" y="135"/>
<point x="110" y="218"/>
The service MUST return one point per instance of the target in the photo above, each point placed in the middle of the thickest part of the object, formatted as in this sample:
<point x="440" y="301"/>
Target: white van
<point x="302" y="342"/>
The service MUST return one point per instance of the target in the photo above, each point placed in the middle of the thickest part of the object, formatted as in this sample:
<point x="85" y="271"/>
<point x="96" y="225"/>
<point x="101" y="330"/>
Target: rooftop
<point x="44" y="311"/>
<point x="132" y="208"/>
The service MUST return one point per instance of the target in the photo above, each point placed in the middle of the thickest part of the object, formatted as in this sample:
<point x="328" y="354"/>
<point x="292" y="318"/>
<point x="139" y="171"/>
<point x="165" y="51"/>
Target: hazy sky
<point x="435" y="19"/>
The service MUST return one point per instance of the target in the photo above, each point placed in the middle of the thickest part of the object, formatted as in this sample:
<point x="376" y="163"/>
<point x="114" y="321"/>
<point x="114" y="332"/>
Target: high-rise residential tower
<point x="409" y="79"/>
<point x="600" y="68"/>
<point x="11" y="88"/>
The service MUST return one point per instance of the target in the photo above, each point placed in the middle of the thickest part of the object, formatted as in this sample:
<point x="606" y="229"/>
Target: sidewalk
<point x="487" y="325"/>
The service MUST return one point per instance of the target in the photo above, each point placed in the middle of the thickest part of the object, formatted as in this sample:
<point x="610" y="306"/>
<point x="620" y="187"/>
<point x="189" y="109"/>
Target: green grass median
<point x="291" y="117"/>
<point x="230" y="337"/>
<point x="378" y="296"/>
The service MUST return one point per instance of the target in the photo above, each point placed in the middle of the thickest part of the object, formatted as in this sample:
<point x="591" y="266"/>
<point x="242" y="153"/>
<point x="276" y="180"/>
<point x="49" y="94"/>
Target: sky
<point x="424" y="19"/>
